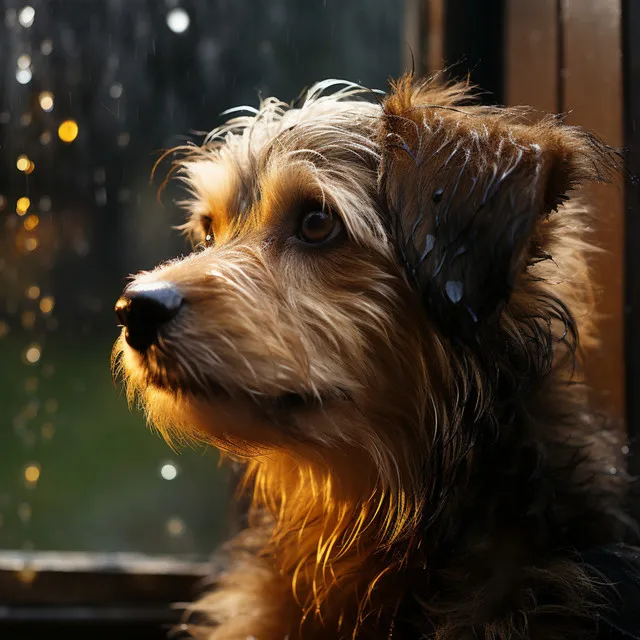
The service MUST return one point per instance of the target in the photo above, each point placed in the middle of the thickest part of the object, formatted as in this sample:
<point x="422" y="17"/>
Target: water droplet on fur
<point x="429" y="243"/>
<point x="613" y="471"/>
<point x="454" y="289"/>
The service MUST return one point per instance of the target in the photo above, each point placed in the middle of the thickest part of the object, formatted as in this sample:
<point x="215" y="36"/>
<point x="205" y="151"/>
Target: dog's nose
<point x="144" y="309"/>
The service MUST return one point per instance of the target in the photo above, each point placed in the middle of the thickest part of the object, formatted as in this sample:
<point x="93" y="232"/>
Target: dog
<point x="385" y="319"/>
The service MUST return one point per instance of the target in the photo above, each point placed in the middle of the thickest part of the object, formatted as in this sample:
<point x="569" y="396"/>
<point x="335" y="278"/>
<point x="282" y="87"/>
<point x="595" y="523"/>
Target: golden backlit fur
<point x="406" y="396"/>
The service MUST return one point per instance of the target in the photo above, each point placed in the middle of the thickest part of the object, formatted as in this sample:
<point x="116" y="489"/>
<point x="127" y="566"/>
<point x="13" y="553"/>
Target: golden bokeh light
<point x="32" y="473"/>
<point x="46" y="304"/>
<point x="31" y="222"/>
<point x="175" y="527"/>
<point x="47" y="430"/>
<point x="28" y="319"/>
<point x="46" y="100"/>
<point x="24" y="512"/>
<point x="4" y="328"/>
<point x="27" y="575"/>
<point x="33" y="353"/>
<point x="31" y="244"/>
<point x="22" y="206"/>
<point x="33" y="292"/>
<point x="68" y="131"/>
<point x="22" y="163"/>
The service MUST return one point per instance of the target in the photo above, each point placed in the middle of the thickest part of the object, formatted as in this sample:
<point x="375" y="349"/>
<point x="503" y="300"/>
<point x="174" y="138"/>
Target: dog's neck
<point x="336" y="527"/>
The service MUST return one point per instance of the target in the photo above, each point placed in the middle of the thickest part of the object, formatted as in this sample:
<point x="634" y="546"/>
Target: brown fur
<point x="407" y="398"/>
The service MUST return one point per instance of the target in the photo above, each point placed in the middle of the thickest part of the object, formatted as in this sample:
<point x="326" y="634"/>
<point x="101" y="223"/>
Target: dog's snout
<point x="143" y="310"/>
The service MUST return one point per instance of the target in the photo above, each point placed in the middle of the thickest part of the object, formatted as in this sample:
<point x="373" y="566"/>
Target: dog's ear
<point x="465" y="187"/>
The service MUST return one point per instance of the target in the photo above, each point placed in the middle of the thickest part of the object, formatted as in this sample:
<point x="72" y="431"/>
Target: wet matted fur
<point x="406" y="391"/>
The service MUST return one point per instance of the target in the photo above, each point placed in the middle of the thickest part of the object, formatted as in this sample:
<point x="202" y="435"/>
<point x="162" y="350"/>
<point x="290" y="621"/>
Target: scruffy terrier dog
<point x="382" y="320"/>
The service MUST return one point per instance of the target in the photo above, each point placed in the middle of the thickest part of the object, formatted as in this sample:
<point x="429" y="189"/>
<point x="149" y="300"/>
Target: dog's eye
<point x="318" y="226"/>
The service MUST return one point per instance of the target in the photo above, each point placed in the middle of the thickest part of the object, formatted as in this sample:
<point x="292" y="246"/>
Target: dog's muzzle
<point x="144" y="310"/>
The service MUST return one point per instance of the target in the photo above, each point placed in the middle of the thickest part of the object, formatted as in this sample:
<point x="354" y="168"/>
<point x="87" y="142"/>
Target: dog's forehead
<point x="305" y="152"/>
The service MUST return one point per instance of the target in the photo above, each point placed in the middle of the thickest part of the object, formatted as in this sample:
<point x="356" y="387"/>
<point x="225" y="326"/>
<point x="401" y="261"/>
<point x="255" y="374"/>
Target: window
<point x="90" y="94"/>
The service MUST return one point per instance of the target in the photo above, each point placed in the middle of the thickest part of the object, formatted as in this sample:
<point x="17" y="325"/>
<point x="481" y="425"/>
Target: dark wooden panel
<point x="435" y="35"/>
<point x="631" y="50"/>
<point x="474" y="44"/>
<point x="532" y="54"/>
<point x="592" y="94"/>
<point x="424" y="36"/>
<point x="415" y="37"/>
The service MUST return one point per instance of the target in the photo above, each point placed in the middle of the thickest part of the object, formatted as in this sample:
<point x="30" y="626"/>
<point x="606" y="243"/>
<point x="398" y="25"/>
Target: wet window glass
<point x="91" y="94"/>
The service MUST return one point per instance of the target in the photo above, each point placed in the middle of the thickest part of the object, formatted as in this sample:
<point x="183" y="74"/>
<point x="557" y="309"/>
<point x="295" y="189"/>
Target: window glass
<point x="91" y="92"/>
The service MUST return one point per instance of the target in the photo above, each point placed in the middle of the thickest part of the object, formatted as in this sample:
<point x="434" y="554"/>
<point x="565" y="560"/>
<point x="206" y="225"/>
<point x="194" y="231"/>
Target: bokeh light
<point x="24" y="512"/>
<point x="68" y="131"/>
<point x="175" y="527"/>
<point x="33" y="353"/>
<point x="46" y="100"/>
<point x="33" y="292"/>
<point x="26" y="16"/>
<point x="22" y="206"/>
<point x="169" y="471"/>
<point x="47" y="430"/>
<point x="23" y="76"/>
<point x="178" y="20"/>
<point x="31" y="222"/>
<point x="46" y="304"/>
<point x="22" y="163"/>
<point x="32" y="473"/>
<point x="24" y="61"/>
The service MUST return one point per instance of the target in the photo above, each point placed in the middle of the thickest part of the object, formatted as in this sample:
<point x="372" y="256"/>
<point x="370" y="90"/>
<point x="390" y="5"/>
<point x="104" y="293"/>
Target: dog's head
<point x="366" y="274"/>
